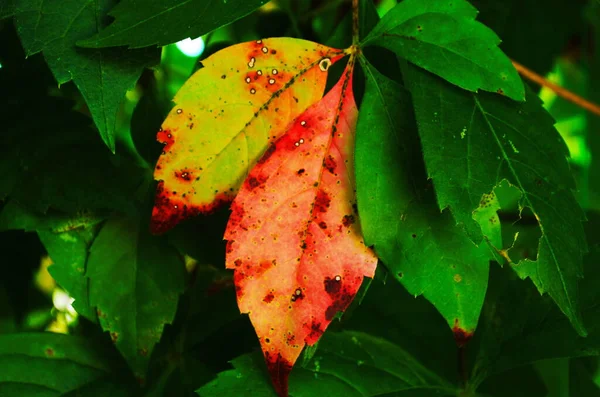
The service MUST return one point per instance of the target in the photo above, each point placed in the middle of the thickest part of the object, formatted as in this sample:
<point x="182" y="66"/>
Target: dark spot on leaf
<point x="329" y="164"/>
<point x="297" y="295"/>
<point x="322" y="201"/>
<point x="322" y="225"/>
<point x="315" y="332"/>
<point x="269" y="298"/>
<point x="332" y="286"/>
<point x="300" y="171"/>
<point x="500" y="91"/>
<point x="348" y="220"/>
<point x="114" y="336"/>
<point x="414" y="235"/>
<point x="237" y="262"/>
<point x="223" y="76"/>
<point x="49" y="352"/>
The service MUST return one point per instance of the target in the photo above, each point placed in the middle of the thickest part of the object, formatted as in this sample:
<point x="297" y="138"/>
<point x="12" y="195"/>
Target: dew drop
<point x="252" y="91"/>
<point x="274" y="71"/>
<point x="251" y="63"/>
<point x="179" y="111"/>
<point x="265" y="50"/>
<point x="271" y="81"/>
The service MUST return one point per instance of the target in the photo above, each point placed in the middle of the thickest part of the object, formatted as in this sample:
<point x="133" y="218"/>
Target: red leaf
<point x="293" y="239"/>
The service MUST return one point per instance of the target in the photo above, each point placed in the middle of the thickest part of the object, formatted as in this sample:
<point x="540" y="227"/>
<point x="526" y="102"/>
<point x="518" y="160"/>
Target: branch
<point x="560" y="91"/>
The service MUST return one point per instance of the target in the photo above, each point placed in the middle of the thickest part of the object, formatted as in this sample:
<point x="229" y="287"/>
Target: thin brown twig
<point x="560" y="91"/>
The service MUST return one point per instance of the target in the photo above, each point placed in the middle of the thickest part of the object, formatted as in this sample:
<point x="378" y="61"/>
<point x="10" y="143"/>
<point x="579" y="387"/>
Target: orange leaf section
<point x="225" y="116"/>
<point x="293" y="239"/>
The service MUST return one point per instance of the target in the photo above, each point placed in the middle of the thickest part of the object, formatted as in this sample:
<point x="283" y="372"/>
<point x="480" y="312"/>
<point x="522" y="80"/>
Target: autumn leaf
<point x="226" y="114"/>
<point x="293" y="239"/>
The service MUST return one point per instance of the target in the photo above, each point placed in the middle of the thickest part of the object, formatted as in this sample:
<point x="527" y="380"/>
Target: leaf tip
<point x="279" y="370"/>
<point x="461" y="335"/>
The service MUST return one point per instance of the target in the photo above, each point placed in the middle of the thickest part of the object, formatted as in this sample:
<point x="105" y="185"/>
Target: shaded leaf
<point x="292" y="237"/>
<point x="102" y="77"/>
<point x="67" y="239"/>
<point x="444" y="38"/>
<point x="400" y="217"/>
<point x="46" y="364"/>
<point x="52" y="158"/>
<point x="351" y="364"/>
<point x="226" y="114"/>
<point x="547" y="32"/>
<point x="135" y="282"/>
<point x="519" y="326"/>
<point x="473" y="142"/>
<point x="581" y="380"/>
<point x="161" y="22"/>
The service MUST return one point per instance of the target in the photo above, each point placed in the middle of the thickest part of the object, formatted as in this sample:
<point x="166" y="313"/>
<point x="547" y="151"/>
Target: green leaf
<point x="161" y="22"/>
<point x="444" y="38"/>
<point x="473" y="142"/>
<point x="421" y="247"/>
<point x="103" y="77"/>
<point x="518" y="326"/>
<point x="47" y="364"/>
<point x="348" y="363"/>
<point x="135" y="282"/>
<point x="67" y="238"/>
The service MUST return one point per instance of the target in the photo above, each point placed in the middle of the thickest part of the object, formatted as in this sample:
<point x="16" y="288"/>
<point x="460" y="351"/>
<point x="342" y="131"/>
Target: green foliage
<point x="102" y="77"/>
<point x="444" y="38"/>
<point x="164" y="22"/>
<point x="131" y="271"/>
<point x="471" y="143"/>
<point x="399" y="214"/>
<point x="462" y="193"/>
<point x="46" y="364"/>
<point x="347" y="363"/>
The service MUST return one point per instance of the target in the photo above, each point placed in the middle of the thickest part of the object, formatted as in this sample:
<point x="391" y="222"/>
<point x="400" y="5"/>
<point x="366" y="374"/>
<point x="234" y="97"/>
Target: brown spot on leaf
<point x="322" y="201"/>
<point x="329" y="164"/>
<point x="269" y="298"/>
<point x="332" y="285"/>
<point x="348" y="220"/>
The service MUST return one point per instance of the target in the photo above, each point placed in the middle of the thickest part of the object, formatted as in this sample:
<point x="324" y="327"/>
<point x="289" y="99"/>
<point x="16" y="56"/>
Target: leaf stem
<point x="462" y="366"/>
<point x="355" y="24"/>
<point x="560" y="91"/>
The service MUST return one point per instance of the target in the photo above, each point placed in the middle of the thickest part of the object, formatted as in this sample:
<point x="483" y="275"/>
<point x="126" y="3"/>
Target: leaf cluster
<point x="483" y="214"/>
